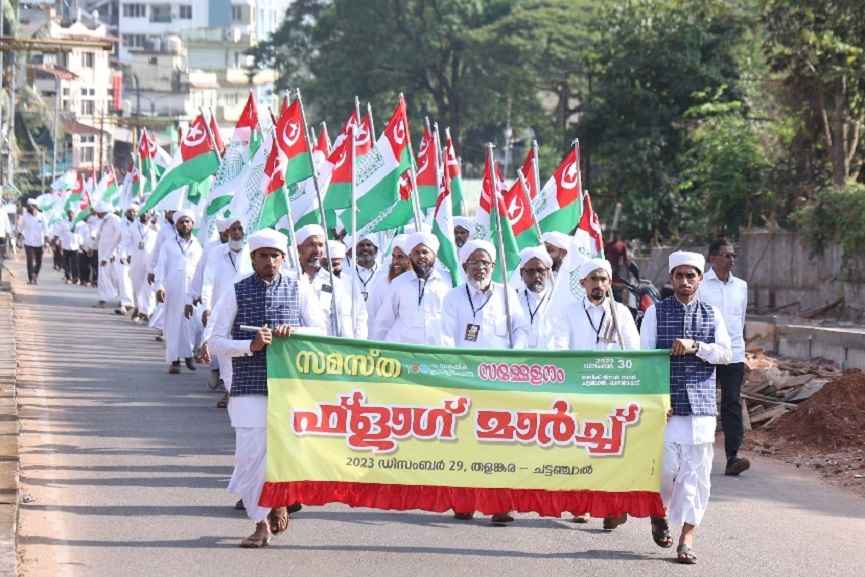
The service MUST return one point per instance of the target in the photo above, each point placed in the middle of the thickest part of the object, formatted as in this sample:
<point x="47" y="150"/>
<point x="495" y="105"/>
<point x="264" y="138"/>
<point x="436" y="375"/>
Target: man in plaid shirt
<point x="698" y="340"/>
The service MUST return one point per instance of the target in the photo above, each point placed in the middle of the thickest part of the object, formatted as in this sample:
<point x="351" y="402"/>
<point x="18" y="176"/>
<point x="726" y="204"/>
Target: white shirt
<point x="343" y="289"/>
<point x="468" y="310"/>
<point x="693" y="429"/>
<point x="379" y="288"/>
<point x="251" y="410"/>
<point x="583" y="326"/>
<point x="412" y="309"/>
<point x="110" y="235"/>
<point x="33" y="229"/>
<point x="68" y="239"/>
<point x="535" y="308"/>
<point x="223" y="268"/>
<point x="731" y="298"/>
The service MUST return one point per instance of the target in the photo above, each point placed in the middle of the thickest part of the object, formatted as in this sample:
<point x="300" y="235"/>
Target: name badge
<point x="472" y="332"/>
<point x="365" y="295"/>
<point x="141" y="245"/>
<point x="326" y="288"/>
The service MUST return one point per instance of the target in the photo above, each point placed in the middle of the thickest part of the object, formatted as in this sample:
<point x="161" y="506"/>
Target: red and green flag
<point x="452" y="165"/>
<point x="292" y="139"/>
<point x="427" y="170"/>
<point x="558" y="205"/>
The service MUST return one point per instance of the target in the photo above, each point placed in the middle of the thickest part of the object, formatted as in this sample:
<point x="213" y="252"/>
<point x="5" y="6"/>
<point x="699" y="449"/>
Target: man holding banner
<point x="262" y="306"/>
<point x="697" y="336"/>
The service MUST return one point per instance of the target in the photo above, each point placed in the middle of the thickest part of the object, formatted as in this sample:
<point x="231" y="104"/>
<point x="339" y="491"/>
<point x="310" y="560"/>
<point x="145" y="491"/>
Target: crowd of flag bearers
<point x="279" y="232"/>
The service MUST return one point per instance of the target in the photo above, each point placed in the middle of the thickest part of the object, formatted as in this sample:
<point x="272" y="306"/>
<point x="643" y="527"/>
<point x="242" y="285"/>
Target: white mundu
<point x="478" y="319"/>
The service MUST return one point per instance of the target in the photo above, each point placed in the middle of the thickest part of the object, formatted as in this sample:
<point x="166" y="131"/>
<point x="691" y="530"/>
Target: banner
<point x="393" y="426"/>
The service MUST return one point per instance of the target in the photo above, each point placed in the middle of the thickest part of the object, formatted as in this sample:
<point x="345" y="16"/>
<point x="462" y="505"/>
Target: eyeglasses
<point x="479" y="264"/>
<point x="535" y="271"/>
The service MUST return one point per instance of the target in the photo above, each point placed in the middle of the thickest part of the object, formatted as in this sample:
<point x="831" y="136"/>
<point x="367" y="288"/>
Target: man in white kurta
<point x="33" y="233"/>
<point x="412" y="310"/>
<point x="107" y="244"/>
<point x="697" y="337"/>
<point x="166" y="230"/>
<point x="365" y="267"/>
<point x="121" y="264"/>
<point x="140" y="245"/>
<point x="247" y="408"/>
<point x="175" y="267"/>
<point x="69" y="245"/>
<point x="398" y="263"/>
<point x="350" y="304"/>
<point x="533" y="294"/>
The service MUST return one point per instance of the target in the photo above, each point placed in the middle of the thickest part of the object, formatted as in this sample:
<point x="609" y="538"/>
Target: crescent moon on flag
<point x="570" y="177"/>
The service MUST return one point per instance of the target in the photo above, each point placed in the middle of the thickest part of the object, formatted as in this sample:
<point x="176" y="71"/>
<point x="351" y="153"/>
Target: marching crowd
<point x="222" y="302"/>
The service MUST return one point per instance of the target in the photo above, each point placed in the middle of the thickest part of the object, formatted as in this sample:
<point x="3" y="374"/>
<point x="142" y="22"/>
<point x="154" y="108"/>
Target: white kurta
<point x="584" y="326"/>
<point x="535" y="308"/>
<point x="688" y="440"/>
<point x="140" y="244"/>
<point x="248" y="413"/>
<point x="108" y="241"/>
<point x="464" y="307"/>
<point x="175" y="267"/>
<point x="412" y="310"/>
<point x="68" y="238"/>
<point x="379" y="289"/>
<point x="344" y="288"/>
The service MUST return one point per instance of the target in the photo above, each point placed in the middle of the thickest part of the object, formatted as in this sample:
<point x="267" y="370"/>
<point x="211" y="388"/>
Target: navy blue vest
<point x="690" y="394"/>
<point x="259" y="303"/>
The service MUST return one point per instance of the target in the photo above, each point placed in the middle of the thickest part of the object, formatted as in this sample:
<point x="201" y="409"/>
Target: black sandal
<point x="661" y="533"/>
<point x="685" y="556"/>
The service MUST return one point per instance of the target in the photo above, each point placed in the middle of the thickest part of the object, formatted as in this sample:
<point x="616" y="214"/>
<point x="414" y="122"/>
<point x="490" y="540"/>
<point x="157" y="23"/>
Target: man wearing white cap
<point x="558" y="244"/>
<point x="475" y="316"/>
<point x="175" y="267"/>
<point x="279" y="305"/>
<point x="108" y="244"/>
<point x="311" y="252"/>
<point x="364" y="265"/>
<point x="412" y="309"/>
<point x="193" y="296"/>
<point x="534" y="292"/>
<point x="140" y="244"/>
<point x="462" y="230"/>
<point x="33" y="232"/>
<point x="122" y="263"/>
<point x="399" y="263"/>
<point x="350" y="304"/>
<point x="69" y="245"/>
<point x="697" y="337"/>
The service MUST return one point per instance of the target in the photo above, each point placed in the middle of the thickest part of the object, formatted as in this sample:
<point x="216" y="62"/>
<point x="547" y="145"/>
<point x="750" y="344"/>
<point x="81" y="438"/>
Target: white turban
<point x="463" y="222"/>
<point x="400" y="241"/>
<point x="336" y="249"/>
<point x="101" y="206"/>
<point x="185" y="213"/>
<point x="307" y="231"/>
<point x="537" y="252"/>
<point x="268" y="238"/>
<point x="558" y="239"/>
<point x="134" y="206"/>
<point x="426" y="238"/>
<point x="471" y="246"/>
<point x="349" y="240"/>
<point x="681" y="257"/>
<point x="31" y="202"/>
<point x="591" y="265"/>
<point x="223" y="224"/>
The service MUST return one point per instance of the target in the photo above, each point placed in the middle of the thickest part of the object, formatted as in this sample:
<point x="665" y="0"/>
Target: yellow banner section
<point x="395" y="433"/>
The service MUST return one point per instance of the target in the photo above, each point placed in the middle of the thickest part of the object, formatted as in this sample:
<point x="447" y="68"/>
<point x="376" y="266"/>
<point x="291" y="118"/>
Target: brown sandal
<point x="278" y="520"/>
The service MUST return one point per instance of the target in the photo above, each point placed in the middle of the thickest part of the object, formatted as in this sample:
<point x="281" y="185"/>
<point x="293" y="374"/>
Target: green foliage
<point x="835" y="216"/>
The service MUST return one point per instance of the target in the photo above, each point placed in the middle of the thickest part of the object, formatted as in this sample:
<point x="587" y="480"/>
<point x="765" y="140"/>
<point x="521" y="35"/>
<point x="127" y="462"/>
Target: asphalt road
<point x="128" y="465"/>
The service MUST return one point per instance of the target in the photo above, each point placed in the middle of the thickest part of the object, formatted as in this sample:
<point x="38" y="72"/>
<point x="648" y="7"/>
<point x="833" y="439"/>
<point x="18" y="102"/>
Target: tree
<point x="818" y="47"/>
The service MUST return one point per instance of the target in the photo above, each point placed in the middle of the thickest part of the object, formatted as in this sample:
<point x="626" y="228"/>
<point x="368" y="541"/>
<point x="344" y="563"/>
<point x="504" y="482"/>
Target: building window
<point x="134" y="40"/>
<point x="185" y="12"/>
<point x="236" y="13"/>
<point x="88" y="154"/>
<point x="87" y="59"/>
<point x="87" y="139"/>
<point x="160" y="13"/>
<point x="135" y="11"/>
<point x="154" y="61"/>
<point x="88" y="107"/>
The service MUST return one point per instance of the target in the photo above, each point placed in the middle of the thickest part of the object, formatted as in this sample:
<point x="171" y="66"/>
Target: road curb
<point x="8" y="438"/>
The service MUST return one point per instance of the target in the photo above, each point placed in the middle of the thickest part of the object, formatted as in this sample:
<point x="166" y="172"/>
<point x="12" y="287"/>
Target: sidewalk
<point x="8" y="432"/>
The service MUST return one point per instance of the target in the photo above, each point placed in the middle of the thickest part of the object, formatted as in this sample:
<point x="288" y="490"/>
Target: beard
<point x="422" y="269"/>
<point x="537" y="286"/>
<point x="596" y="295"/>
<point x="479" y="285"/>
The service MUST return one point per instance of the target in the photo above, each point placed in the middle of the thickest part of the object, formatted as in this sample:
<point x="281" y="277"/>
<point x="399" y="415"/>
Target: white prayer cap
<point x="400" y="241"/>
<point x="694" y="259"/>
<point x="349" y="240"/>
<point x="336" y="249"/>
<point x="223" y="224"/>
<point x="307" y="231"/>
<point x="268" y="238"/>
<point x="31" y="202"/>
<point x="537" y="252"/>
<point x="592" y="264"/>
<point x="134" y="206"/>
<point x="477" y="244"/>
<point x="184" y="213"/>
<point x="102" y="206"/>
<point x="557" y="239"/>
<point x="427" y="238"/>
<point x="463" y="222"/>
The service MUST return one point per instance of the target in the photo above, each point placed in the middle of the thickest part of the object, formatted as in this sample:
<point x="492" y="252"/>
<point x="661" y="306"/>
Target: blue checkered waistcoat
<point x="259" y="303"/>
<point x="690" y="394"/>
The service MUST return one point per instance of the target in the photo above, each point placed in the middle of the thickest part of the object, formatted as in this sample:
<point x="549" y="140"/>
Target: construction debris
<point x="775" y="386"/>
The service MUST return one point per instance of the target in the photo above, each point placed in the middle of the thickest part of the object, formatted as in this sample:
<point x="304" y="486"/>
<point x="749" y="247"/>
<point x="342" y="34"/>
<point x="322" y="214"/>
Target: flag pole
<point x="351" y="134"/>
<point x="500" y="240"/>
<point x="413" y="175"/>
<point x="371" y="123"/>
<point x="334" y="325"/>
<point x="525" y="186"/>
<point x="295" y="255"/>
<point x="210" y="136"/>
<point x="457" y="160"/>
<point x="536" y="174"/>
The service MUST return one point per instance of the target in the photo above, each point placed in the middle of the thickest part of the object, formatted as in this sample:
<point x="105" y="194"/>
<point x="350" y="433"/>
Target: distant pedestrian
<point x="729" y="294"/>
<point x="33" y="231"/>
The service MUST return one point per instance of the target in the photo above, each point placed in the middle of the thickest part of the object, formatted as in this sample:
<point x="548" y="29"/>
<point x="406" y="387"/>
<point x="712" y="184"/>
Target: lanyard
<point x="532" y="313"/>
<point x="180" y="245"/>
<point x="600" y="325"/>
<point x="231" y="258"/>
<point x="369" y="278"/>
<point x="421" y="289"/>
<point x="475" y="311"/>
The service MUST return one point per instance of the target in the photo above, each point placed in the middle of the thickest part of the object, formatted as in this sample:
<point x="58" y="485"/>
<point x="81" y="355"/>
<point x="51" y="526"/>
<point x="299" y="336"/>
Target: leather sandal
<point x="277" y="519"/>
<point x="261" y="537"/>
<point x="685" y="556"/>
<point x="661" y="532"/>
